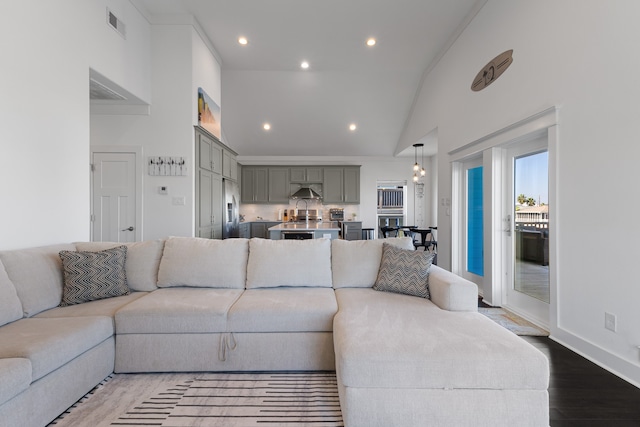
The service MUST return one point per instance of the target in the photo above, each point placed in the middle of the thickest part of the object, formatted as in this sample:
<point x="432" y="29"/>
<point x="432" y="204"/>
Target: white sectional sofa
<point x="262" y="305"/>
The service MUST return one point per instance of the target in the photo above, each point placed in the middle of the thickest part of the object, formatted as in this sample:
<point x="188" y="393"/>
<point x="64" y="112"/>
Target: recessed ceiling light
<point x="304" y="65"/>
<point x="353" y="127"/>
<point x="243" y="41"/>
<point x="266" y="126"/>
<point x="371" y="42"/>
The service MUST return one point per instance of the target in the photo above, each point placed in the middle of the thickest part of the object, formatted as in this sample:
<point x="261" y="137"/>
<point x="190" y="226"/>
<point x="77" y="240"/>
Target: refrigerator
<point x="231" y="196"/>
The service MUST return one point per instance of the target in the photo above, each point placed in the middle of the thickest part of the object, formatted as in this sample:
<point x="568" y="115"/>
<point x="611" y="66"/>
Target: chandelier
<point x="418" y="171"/>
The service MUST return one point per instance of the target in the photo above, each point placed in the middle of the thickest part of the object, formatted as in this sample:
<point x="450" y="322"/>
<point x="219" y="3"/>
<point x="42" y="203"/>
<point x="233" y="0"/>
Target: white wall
<point x="181" y="62"/>
<point x="577" y="55"/>
<point x="48" y="48"/>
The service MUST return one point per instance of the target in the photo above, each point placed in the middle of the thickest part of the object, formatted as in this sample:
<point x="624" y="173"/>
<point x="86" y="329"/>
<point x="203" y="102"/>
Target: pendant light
<point x="418" y="171"/>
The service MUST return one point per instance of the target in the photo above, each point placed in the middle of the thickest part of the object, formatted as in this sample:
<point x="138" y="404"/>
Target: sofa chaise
<point x="262" y="305"/>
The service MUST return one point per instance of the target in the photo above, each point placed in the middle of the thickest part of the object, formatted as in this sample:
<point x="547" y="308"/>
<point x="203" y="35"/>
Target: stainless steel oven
<point x="296" y="235"/>
<point x="336" y="214"/>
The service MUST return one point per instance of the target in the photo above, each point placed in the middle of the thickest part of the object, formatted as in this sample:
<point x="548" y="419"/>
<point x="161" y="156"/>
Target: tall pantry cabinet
<point x="214" y="161"/>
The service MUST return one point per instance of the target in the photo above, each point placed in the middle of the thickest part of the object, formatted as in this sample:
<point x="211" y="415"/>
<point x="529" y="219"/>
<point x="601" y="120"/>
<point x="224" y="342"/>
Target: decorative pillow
<point x="404" y="271"/>
<point x="90" y="276"/>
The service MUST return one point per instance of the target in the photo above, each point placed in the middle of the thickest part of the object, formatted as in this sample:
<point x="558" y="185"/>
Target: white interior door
<point x="114" y="197"/>
<point x="527" y="237"/>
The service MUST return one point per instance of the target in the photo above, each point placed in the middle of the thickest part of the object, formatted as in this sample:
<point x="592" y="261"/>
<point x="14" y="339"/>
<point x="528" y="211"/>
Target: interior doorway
<point x="391" y="205"/>
<point x="116" y="194"/>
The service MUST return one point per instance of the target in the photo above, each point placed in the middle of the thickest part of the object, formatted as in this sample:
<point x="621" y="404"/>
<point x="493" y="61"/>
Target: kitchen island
<point x="305" y="230"/>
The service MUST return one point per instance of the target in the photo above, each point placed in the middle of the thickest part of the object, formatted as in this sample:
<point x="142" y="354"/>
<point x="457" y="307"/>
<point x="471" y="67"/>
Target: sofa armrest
<point x="452" y="292"/>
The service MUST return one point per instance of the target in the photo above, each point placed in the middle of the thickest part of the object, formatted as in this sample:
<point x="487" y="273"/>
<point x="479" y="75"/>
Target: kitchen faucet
<point x="306" y="209"/>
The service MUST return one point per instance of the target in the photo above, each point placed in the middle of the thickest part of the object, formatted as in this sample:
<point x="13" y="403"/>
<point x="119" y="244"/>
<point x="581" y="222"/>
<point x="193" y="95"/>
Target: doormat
<point x="512" y="322"/>
<point x="210" y="400"/>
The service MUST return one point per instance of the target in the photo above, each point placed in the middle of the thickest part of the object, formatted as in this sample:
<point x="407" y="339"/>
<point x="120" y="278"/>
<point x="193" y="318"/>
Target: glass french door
<point x="527" y="229"/>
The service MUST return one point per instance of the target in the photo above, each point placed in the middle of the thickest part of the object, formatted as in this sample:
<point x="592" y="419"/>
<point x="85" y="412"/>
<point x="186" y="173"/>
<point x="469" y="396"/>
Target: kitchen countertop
<point x="303" y="226"/>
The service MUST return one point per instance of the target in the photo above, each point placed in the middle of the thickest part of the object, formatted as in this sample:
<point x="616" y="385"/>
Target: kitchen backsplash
<point x="253" y="212"/>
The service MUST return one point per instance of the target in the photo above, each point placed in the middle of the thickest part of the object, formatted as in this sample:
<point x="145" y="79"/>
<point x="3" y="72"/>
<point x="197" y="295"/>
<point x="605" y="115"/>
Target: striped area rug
<point x="210" y="400"/>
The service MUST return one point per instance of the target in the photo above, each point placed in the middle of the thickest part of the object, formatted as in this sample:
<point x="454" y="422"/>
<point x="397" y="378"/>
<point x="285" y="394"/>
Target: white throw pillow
<point x="10" y="305"/>
<point x="143" y="260"/>
<point x="204" y="263"/>
<point x="355" y="264"/>
<point x="296" y="263"/>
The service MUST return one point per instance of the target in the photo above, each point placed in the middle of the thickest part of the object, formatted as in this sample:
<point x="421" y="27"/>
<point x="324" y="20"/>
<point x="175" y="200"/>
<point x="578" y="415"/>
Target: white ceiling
<point x="347" y="82"/>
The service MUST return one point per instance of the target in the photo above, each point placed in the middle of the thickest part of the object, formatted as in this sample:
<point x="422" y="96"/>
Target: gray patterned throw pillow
<point x="90" y="276"/>
<point x="404" y="271"/>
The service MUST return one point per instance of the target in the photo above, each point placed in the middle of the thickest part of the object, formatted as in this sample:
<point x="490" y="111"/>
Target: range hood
<point x="306" y="193"/>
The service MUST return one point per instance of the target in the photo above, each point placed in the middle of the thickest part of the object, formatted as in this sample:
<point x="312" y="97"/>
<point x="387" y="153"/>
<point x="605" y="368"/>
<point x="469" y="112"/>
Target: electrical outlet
<point x="610" y="321"/>
<point x="178" y="201"/>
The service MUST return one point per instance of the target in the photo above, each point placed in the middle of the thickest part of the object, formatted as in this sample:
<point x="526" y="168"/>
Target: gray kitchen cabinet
<point x="208" y="187"/>
<point x="255" y="185"/>
<point x="341" y="185"/>
<point x="351" y="185"/>
<point x="300" y="174"/>
<point x="209" y="153"/>
<point x="229" y="165"/>
<point x="352" y="230"/>
<point x="208" y="205"/>
<point x="260" y="229"/>
<point x="278" y="185"/>
<point x="244" y="231"/>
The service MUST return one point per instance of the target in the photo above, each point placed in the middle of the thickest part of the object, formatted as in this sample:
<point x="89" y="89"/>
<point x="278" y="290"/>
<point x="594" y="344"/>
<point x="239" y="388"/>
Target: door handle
<point x="128" y="229"/>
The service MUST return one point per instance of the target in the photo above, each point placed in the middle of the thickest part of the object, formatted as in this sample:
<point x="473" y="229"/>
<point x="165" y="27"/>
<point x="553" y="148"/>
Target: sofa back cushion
<point x="297" y="263"/>
<point x="204" y="263"/>
<point x="37" y="276"/>
<point x="355" y="263"/>
<point x="143" y="261"/>
<point x="10" y="305"/>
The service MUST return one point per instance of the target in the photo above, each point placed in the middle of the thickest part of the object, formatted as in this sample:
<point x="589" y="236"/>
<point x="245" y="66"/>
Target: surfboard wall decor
<point x="492" y="71"/>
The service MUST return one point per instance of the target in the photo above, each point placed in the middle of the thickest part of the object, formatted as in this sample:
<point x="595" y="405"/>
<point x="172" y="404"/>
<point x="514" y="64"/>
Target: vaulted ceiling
<point x="347" y="82"/>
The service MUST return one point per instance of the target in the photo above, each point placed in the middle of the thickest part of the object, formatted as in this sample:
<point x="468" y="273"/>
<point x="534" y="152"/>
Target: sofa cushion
<point x="15" y="377"/>
<point x="90" y="276"/>
<point x="178" y="310"/>
<point x="390" y="340"/>
<point x="143" y="260"/>
<point x="366" y="254"/>
<point x="37" y="276"/>
<point x="284" y="310"/>
<point x="205" y="263"/>
<point x="50" y="343"/>
<point x="10" y="305"/>
<point x="293" y="263"/>
<point x="102" y="307"/>
<point x="404" y="271"/>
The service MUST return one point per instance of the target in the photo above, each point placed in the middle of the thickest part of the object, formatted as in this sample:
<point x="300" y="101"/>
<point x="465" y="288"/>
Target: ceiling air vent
<point x="99" y="91"/>
<point x="115" y="23"/>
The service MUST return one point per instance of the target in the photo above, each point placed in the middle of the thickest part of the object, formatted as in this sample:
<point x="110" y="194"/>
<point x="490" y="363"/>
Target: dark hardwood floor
<point x="582" y="394"/>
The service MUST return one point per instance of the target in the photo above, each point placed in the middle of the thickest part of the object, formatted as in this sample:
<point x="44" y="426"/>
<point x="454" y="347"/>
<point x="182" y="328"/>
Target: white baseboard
<point x="618" y="366"/>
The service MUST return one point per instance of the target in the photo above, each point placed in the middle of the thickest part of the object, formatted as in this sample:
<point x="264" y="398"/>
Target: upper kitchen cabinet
<point x="278" y="185"/>
<point x="209" y="153"/>
<point x="306" y="174"/>
<point x="255" y="184"/>
<point x="341" y="185"/>
<point x="229" y="165"/>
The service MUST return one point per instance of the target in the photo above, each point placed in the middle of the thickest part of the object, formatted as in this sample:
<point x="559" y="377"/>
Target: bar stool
<point x="389" y="231"/>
